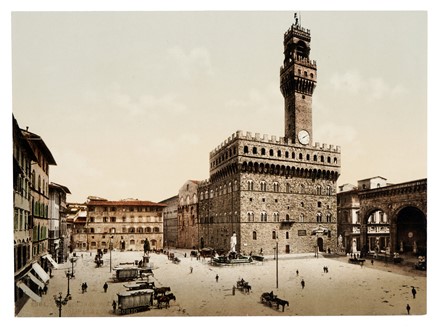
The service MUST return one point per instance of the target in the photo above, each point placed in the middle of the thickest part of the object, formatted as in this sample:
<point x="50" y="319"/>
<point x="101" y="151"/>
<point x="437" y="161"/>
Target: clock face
<point x="304" y="137"/>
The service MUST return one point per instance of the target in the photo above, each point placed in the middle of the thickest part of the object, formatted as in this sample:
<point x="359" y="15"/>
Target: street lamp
<point x="72" y="260"/>
<point x="69" y="275"/>
<point x="277" y="259"/>
<point x="60" y="301"/>
<point x="111" y="247"/>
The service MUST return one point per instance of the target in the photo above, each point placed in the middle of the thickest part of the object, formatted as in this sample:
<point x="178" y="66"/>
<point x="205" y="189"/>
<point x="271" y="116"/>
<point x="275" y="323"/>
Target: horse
<point x="247" y="287"/>
<point x="268" y="297"/>
<point x="281" y="302"/>
<point x="165" y="299"/>
<point x="160" y="291"/>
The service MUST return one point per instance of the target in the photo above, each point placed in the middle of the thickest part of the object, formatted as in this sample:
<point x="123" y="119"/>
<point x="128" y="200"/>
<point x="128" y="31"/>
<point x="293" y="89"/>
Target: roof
<point x="134" y="203"/>
<point x="36" y="140"/>
<point x="59" y="187"/>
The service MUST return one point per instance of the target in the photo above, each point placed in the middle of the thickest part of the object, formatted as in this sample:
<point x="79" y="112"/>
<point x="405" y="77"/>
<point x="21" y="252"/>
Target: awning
<point x="41" y="273"/>
<point x="51" y="260"/>
<point x="35" y="279"/>
<point x="28" y="291"/>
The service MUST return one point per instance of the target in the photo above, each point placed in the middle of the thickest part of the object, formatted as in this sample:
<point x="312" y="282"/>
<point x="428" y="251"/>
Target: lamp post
<point x="111" y="247"/>
<point x="276" y="262"/>
<point x="72" y="260"/>
<point x="60" y="301"/>
<point x="69" y="275"/>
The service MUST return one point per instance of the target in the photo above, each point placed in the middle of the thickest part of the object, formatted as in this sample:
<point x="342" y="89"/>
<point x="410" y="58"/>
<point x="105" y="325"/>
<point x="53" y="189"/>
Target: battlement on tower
<point x="264" y="138"/>
<point x="299" y="60"/>
<point x="298" y="31"/>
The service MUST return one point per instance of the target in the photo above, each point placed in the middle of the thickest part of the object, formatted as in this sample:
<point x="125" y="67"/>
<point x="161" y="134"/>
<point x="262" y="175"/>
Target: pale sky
<point x="131" y="103"/>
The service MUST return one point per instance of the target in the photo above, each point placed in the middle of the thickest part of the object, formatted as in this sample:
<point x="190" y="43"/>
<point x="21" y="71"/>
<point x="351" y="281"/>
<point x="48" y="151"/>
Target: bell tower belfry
<point x="297" y="82"/>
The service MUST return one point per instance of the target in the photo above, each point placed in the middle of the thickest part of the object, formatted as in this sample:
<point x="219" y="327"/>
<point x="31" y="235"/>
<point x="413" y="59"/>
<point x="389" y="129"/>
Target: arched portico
<point x="411" y="232"/>
<point x="393" y="218"/>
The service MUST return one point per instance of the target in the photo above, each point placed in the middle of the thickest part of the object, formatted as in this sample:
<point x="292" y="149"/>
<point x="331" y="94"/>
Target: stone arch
<point x="411" y="230"/>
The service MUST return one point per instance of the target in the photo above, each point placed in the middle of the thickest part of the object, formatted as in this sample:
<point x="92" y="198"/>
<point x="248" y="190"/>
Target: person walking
<point x="105" y="287"/>
<point x="408" y="308"/>
<point x="216" y="278"/>
<point x="414" y="292"/>
<point x="82" y="287"/>
<point x="85" y="286"/>
<point x="297" y="272"/>
<point x="303" y="284"/>
<point x="190" y="269"/>
<point x="114" y="306"/>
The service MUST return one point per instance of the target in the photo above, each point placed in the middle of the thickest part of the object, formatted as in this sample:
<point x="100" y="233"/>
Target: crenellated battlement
<point x="264" y="138"/>
<point x="296" y="30"/>
<point x="299" y="60"/>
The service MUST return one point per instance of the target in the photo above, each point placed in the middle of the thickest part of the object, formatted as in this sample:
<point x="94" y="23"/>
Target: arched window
<point x="140" y="230"/>
<point x="288" y="188"/>
<point x="318" y="190"/>
<point x="300" y="156"/>
<point x="279" y="153"/>
<point x="276" y="217"/>
<point x="308" y="157"/>
<point x="276" y="187"/>
<point x="329" y="218"/>
<point x="319" y="217"/>
<point x="271" y="152"/>
<point x="264" y="216"/>
<point x="156" y="230"/>
<point x="301" y="218"/>
<point x="329" y="190"/>
<point x="274" y="235"/>
<point x="315" y="158"/>
<point x="293" y="155"/>
<point x="254" y="235"/>
<point x="254" y="150"/>
<point x="246" y="149"/>
<point x="263" y="151"/>
<point x="287" y="154"/>
<point x="263" y="186"/>
<point x="250" y="185"/>
<point x="287" y="235"/>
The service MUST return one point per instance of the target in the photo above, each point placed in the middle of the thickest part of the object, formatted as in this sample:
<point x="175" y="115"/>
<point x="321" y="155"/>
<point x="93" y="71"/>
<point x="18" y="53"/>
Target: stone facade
<point x="384" y="218"/>
<point x="187" y="214"/>
<point x="270" y="190"/>
<point x="125" y="224"/>
<point x="58" y="240"/>
<point x="170" y="221"/>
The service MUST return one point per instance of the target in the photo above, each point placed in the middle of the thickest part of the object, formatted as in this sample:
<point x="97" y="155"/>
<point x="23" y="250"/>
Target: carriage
<point x="269" y="299"/>
<point x="243" y="286"/>
<point x="126" y="273"/>
<point x="135" y="301"/>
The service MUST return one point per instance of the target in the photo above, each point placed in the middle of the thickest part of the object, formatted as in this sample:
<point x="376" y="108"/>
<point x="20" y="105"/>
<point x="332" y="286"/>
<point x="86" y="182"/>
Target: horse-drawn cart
<point x="269" y="299"/>
<point x="243" y="286"/>
<point x="134" y="301"/>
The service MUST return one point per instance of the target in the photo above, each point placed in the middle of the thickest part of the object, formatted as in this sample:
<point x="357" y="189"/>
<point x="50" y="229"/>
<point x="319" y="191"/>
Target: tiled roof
<point x="133" y="203"/>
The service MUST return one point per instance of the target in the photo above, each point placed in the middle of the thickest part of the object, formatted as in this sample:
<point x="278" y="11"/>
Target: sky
<point x="131" y="103"/>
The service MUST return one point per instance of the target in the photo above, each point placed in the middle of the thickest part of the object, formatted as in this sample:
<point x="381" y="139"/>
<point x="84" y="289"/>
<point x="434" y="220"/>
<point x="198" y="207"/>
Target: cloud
<point x="154" y="106"/>
<point x="262" y="101"/>
<point x="192" y="63"/>
<point x="374" y="88"/>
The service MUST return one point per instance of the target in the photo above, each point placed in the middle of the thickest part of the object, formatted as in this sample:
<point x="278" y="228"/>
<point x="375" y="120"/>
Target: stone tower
<point x="297" y="82"/>
<point x="269" y="190"/>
